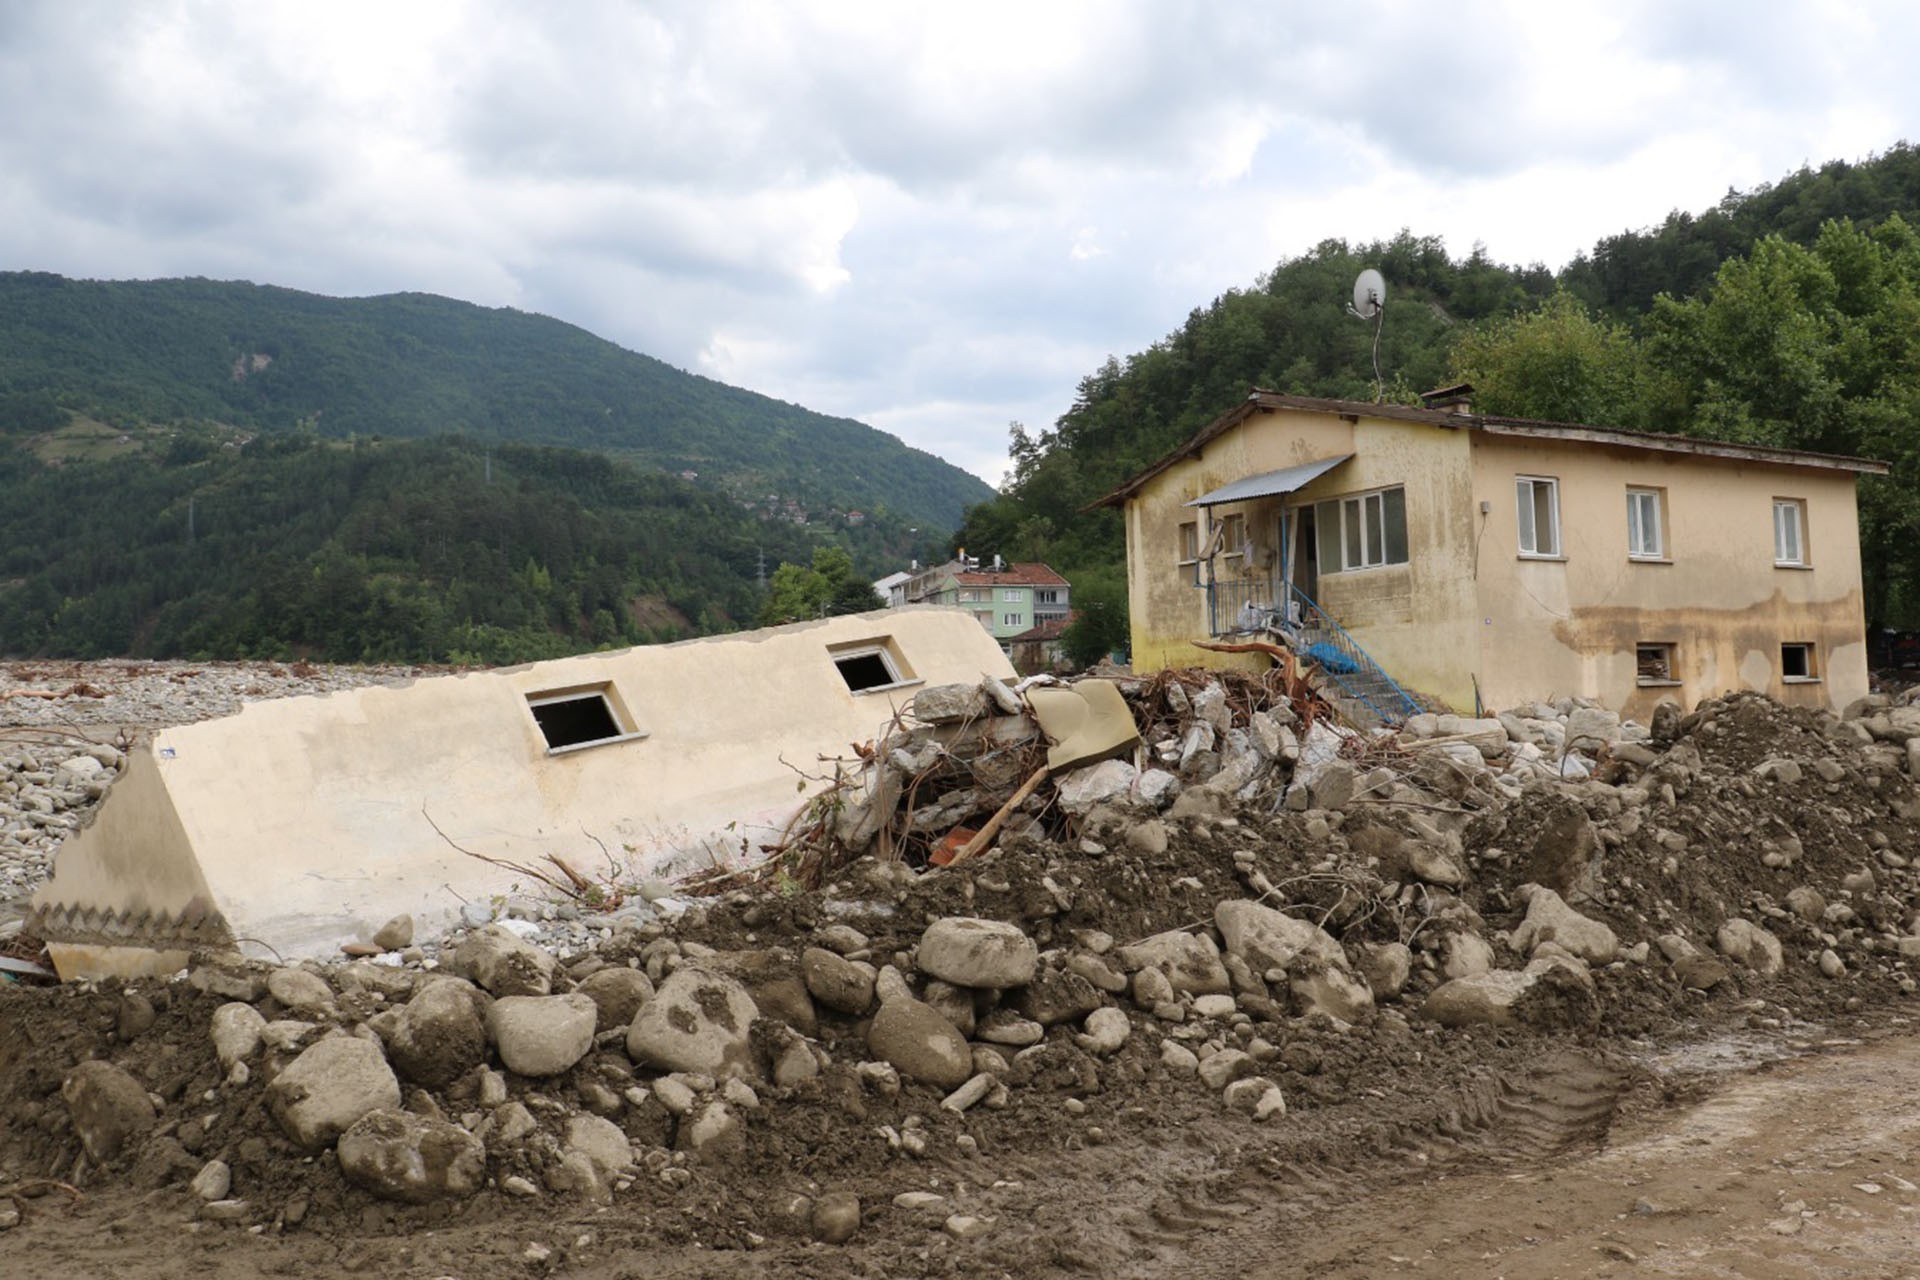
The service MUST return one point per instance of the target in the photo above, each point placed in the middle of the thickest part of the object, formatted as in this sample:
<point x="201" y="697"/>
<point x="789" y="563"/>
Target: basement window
<point x="570" y="719"/>
<point x="1654" y="664"/>
<point x="873" y="665"/>
<point x="1797" y="664"/>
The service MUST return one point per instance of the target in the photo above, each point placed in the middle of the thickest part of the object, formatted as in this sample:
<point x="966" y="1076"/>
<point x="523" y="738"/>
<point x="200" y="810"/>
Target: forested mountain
<point x="445" y="549"/>
<point x="171" y="351"/>
<point x="1789" y="316"/>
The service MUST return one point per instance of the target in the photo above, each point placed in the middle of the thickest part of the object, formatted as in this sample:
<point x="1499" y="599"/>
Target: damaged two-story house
<point x="1489" y="561"/>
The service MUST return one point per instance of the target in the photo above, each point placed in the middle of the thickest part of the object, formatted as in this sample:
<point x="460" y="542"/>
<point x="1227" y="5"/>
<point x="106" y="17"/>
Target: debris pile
<point x="1255" y="935"/>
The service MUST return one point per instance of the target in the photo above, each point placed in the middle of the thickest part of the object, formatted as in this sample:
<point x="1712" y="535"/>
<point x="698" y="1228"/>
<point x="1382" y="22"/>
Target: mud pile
<point x="1302" y="954"/>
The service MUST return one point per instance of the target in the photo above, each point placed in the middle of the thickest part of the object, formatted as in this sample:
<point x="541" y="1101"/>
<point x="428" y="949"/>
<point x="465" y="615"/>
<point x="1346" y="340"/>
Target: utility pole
<point x="190" y="520"/>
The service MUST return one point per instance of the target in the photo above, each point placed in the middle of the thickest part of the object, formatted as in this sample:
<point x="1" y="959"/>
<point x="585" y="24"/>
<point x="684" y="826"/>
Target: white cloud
<point x="935" y="218"/>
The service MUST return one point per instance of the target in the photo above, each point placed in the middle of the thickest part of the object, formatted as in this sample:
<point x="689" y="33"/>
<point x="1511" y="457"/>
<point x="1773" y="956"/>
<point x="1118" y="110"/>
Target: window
<point x="1190" y="550"/>
<point x="1012" y="620"/>
<point x="870" y="665"/>
<point x="1047" y="595"/>
<point x="975" y="595"/>
<point x="1789" y="531"/>
<point x="1365" y="531"/>
<point x="1539" y="516"/>
<point x="984" y="618"/>
<point x="1233" y="537"/>
<point x="586" y="716"/>
<point x="1797" y="664"/>
<point x="1646" y="525"/>
<point x="1654" y="663"/>
<point x="1012" y="595"/>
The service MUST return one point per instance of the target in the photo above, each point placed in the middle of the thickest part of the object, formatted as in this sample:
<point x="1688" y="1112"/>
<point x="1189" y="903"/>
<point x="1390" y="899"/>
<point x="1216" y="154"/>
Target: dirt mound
<point x="1080" y="1142"/>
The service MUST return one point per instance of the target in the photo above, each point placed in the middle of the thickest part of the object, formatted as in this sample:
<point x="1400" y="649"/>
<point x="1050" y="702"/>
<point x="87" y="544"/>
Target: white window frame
<point x="1047" y="595"/>
<point x="1646" y="524"/>
<point x="1012" y="620"/>
<point x="1012" y="595"/>
<point x="1526" y="496"/>
<point x="1366" y="513"/>
<point x="975" y="595"/>
<point x="1790" y="533"/>
<point x="1810" y="662"/>
<point x="984" y="619"/>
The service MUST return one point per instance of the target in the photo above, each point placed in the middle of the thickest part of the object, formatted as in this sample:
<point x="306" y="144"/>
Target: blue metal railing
<point x="1236" y="606"/>
<point x="1351" y="667"/>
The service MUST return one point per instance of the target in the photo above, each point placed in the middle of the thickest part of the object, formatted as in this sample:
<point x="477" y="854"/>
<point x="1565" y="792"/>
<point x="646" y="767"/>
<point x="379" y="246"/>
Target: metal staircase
<point x="1347" y="675"/>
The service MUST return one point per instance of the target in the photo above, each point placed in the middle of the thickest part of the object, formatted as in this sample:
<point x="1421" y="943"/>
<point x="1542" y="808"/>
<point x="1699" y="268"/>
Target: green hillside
<point x="410" y="365"/>
<point x="422" y="550"/>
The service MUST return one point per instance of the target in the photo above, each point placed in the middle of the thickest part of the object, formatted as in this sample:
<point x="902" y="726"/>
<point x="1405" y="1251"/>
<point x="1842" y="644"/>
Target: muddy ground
<point x="1640" y="1125"/>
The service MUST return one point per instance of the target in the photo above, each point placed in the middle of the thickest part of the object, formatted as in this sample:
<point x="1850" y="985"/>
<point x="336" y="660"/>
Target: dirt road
<point x="1800" y="1168"/>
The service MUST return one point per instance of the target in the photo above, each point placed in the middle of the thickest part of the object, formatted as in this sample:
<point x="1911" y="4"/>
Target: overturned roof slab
<point x="301" y="824"/>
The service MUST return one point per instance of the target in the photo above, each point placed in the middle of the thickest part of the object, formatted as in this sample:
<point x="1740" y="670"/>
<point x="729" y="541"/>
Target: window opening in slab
<point x="1654" y="664"/>
<point x="1797" y="663"/>
<point x="868" y="669"/>
<point x="576" y="719"/>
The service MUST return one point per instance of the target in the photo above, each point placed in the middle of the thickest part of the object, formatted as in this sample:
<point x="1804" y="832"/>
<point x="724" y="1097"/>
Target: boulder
<point x="773" y="981"/>
<point x="697" y="1021"/>
<point x="948" y="703"/>
<point x="438" y="1036"/>
<point x="1269" y="939"/>
<point x="1056" y="996"/>
<point x="1566" y="854"/>
<point x="1590" y="728"/>
<point x="500" y="961"/>
<point x="921" y="1044"/>
<point x="1482" y="999"/>
<point x="1433" y="866"/>
<point x="395" y="935"/>
<point x="305" y="993"/>
<point x="236" y="1032"/>
<point x="1746" y="943"/>
<point x="1550" y="919"/>
<point x="1332" y="990"/>
<point x="1386" y="967"/>
<point x="617" y="993"/>
<point x="977" y="953"/>
<point x="602" y="1142"/>
<point x="108" y="1107"/>
<point x="542" y="1035"/>
<point x="1105" y="1031"/>
<point x="843" y="985"/>
<point x="398" y="1155"/>
<point x="1081" y="789"/>
<point x="324" y="1091"/>
<point x="1190" y="962"/>
<point x="1464" y="954"/>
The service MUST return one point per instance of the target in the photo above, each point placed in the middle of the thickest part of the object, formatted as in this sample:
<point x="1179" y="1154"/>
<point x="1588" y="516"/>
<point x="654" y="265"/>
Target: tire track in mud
<point x="1202" y="1223"/>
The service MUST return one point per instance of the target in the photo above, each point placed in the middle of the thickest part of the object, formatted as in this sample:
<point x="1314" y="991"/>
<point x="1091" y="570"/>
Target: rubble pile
<point x="1255" y="933"/>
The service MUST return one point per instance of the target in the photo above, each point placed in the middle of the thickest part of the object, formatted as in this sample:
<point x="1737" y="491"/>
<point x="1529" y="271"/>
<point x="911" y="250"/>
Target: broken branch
<point x="999" y="819"/>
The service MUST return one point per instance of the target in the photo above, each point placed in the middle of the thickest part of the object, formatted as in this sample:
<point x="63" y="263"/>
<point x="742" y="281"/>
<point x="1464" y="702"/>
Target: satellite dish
<point x="1369" y="295"/>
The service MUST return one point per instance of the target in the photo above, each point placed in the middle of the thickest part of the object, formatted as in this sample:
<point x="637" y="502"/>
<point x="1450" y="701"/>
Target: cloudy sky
<point x="935" y="218"/>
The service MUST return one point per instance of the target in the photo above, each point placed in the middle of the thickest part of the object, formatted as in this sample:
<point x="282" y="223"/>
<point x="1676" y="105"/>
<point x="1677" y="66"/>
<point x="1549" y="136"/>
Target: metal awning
<point x="1269" y="483"/>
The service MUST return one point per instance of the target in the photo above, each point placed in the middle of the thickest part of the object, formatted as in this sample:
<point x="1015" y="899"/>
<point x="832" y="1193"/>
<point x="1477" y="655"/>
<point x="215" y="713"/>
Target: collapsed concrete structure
<point x="299" y="825"/>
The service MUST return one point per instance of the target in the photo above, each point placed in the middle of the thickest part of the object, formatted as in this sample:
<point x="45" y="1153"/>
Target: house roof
<point x="1620" y="437"/>
<point x="1051" y="629"/>
<point x="1014" y="575"/>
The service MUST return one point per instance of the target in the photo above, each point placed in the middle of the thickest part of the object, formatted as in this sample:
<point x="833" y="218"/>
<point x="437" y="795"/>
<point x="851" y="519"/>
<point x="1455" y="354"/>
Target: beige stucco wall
<point x="1552" y="628"/>
<point x="1416" y="619"/>
<point x="307" y="821"/>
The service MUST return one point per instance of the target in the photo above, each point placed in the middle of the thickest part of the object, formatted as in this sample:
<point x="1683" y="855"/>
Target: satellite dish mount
<point x="1370" y="303"/>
